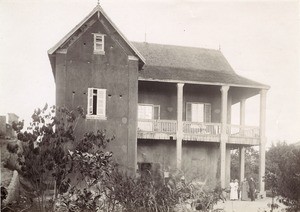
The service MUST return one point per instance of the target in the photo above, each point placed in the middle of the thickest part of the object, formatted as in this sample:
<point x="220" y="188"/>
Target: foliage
<point x="82" y="174"/>
<point x="251" y="164"/>
<point x="205" y="198"/>
<point x="283" y="174"/>
<point x="92" y="170"/>
<point x="46" y="161"/>
<point x="146" y="193"/>
<point x="3" y="193"/>
<point x="120" y="192"/>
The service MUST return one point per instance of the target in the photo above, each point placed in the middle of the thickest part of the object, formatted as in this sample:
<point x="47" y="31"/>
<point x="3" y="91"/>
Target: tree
<point x="283" y="174"/>
<point x="251" y="164"/>
<point x="50" y="155"/>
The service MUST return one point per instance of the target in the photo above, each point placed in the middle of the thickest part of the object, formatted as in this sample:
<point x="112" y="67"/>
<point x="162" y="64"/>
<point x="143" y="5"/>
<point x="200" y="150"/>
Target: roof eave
<point x="56" y="46"/>
<point x="204" y="83"/>
<point x="123" y="36"/>
<point x="98" y="8"/>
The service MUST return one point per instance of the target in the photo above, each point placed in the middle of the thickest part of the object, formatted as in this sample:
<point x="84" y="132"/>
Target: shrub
<point x="146" y="193"/>
<point x="45" y="163"/>
<point x="283" y="175"/>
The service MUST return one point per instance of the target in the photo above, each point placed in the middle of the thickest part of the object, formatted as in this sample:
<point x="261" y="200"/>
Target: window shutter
<point x="95" y="42"/>
<point x="188" y="114"/>
<point x="98" y="42"/>
<point x="101" y="102"/>
<point x="156" y="114"/>
<point x="90" y="101"/>
<point x="207" y="111"/>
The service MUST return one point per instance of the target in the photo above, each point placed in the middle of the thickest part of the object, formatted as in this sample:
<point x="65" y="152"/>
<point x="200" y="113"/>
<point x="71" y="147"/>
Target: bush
<point x="85" y="178"/>
<point x="146" y="193"/>
<point x="283" y="174"/>
<point x="46" y="164"/>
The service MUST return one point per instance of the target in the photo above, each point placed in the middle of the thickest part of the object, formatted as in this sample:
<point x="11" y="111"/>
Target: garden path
<point x="259" y="205"/>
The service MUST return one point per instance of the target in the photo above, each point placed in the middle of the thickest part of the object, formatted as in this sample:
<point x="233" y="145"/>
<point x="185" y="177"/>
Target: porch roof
<point x="189" y="64"/>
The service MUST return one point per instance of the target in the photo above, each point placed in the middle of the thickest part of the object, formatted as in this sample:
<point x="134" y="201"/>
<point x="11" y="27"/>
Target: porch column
<point x="224" y="136"/>
<point x="242" y="115"/>
<point x="263" y="140"/>
<point x="242" y="149"/>
<point x="179" y="133"/>
<point x="242" y="163"/>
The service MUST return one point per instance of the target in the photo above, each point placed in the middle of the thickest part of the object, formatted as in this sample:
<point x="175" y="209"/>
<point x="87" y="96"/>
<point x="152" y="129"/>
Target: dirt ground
<point x="260" y="205"/>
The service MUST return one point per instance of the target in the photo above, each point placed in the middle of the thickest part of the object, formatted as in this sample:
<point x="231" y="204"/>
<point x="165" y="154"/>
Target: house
<point x="2" y="126"/>
<point x="6" y="130"/>
<point x="169" y="107"/>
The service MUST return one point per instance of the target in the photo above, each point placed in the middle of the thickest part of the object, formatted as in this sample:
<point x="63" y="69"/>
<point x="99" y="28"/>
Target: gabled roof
<point x="97" y="9"/>
<point x="189" y="64"/>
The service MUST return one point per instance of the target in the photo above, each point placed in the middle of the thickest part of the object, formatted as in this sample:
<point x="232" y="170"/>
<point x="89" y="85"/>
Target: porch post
<point x="224" y="136"/>
<point x="263" y="140"/>
<point x="179" y="133"/>
<point x="242" y="149"/>
<point x="242" y="114"/>
<point x="242" y="163"/>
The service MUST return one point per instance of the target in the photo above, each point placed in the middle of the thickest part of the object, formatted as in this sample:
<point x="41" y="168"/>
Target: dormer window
<point x="99" y="43"/>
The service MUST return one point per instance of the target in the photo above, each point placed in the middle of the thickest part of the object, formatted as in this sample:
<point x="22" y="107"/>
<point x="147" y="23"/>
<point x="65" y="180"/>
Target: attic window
<point x="99" y="43"/>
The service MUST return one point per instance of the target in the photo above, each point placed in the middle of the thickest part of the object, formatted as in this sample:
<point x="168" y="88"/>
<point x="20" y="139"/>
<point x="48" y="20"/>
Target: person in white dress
<point x="234" y="185"/>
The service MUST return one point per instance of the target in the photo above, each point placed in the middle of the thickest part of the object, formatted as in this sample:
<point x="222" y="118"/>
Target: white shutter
<point x="145" y="112"/>
<point x="156" y="112"/>
<point x="101" y="102"/>
<point x="90" y="101"/>
<point x="188" y="115"/>
<point x="197" y="112"/>
<point x="207" y="111"/>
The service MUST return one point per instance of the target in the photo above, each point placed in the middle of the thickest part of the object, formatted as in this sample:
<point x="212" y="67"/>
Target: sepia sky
<point x="260" y="39"/>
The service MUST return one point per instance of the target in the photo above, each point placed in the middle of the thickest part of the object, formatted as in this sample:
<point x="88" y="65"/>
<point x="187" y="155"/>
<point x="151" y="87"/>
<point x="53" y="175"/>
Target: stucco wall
<point x="80" y="69"/>
<point x="165" y="95"/>
<point x="200" y="159"/>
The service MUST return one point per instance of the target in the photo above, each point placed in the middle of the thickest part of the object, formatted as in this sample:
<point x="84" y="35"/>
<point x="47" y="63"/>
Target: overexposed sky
<point x="260" y="39"/>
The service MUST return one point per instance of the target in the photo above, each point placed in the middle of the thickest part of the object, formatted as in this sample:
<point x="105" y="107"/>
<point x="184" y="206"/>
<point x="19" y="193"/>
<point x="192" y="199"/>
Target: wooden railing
<point x="201" y="128"/>
<point x="163" y="126"/>
<point x="242" y="131"/>
<point x="162" y="129"/>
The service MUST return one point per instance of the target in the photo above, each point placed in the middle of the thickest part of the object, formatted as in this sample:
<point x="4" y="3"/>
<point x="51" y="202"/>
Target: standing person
<point x="233" y="190"/>
<point x="252" y="189"/>
<point x="244" y="190"/>
<point x="238" y="188"/>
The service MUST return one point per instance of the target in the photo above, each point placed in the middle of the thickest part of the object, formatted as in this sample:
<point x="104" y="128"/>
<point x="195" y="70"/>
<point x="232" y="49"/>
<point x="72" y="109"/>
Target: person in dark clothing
<point x="252" y="189"/>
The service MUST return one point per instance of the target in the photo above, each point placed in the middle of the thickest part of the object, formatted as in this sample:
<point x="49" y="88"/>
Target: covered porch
<point x="213" y="126"/>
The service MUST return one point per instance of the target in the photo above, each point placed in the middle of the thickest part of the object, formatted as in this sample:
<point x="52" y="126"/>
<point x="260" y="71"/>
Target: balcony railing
<point x="242" y="131"/>
<point x="201" y="128"/>
<point x="166" y="129"/>
<point x="162" y="126"/>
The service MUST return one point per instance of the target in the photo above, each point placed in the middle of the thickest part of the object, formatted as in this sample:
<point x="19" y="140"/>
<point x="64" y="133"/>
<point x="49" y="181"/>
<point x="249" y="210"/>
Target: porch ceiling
<point x="239" y="93"/>
<point x="171" y="74"/>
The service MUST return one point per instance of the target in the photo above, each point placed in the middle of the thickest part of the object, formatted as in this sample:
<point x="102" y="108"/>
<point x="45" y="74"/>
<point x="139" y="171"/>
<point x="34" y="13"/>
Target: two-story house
<point x="167" y="106"/>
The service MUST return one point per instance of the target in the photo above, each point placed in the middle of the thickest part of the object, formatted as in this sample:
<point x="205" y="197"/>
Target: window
<point x="198" y="112"/>
<point x="99" y="44"/>
<point x="148" y="111"/>
<point x="96" y="103"/>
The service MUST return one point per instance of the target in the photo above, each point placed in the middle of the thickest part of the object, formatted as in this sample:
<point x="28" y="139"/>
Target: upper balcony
<point x="197" y="112"/>
<point x="195" y="131"/>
